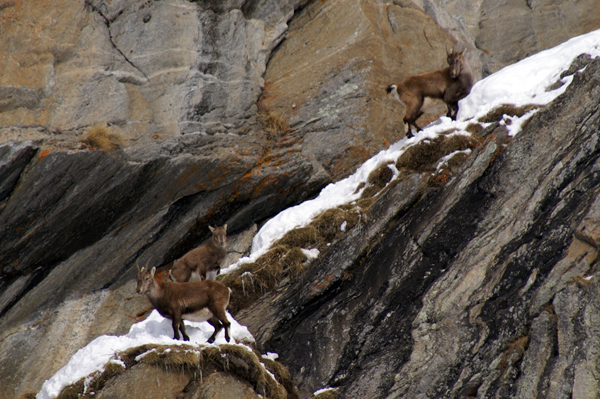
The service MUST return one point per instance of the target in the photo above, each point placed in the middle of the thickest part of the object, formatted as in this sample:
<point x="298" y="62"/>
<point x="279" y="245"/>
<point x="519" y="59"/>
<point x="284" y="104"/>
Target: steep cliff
<point x="484" y="287"/>
<point x="191" y="88"/>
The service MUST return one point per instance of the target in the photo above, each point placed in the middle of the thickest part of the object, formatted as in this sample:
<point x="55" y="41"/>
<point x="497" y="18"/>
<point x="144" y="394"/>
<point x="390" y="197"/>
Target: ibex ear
<point x="153" y="271"/>
<point x="138" y="266"/>
<point x="212" y="229"/>
<point x="225" y="227"/>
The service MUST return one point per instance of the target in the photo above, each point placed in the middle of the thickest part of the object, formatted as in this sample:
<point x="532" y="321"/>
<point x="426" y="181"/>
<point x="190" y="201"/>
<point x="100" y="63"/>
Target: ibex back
<point x="204" y="259"/>
<point x="450" y="84"/>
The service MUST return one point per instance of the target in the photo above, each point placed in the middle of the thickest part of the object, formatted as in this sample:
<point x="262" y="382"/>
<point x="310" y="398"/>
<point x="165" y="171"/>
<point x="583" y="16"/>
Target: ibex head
<point x="219" y="234"/>
<point x="455" y="60"/>
<point x="145" y="278"/>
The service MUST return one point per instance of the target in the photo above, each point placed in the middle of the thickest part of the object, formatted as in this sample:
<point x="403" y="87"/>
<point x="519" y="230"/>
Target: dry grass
<point x="474" y="128"/>
<point x="285" y="261"/>
<point x="275" y="125"/>
<point x="103" y="138"/>
<point x="233" y="359"/>
<point x="376" y="181"/>
<point x="328" y="223"/>
<point x="456" y="160"/>
<point x="303" y="237"/>
<point x="498" y="113"/>
<point x="98" y="381"/>
<point x="424" y="156"/>
<point x="381" y="175"/>
<point x="294" y="262"/>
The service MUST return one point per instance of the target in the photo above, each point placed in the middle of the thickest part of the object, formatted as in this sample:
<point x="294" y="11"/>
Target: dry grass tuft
<point x="329" y="223"/>
<point x="424" y="156"/>
<point x="381" y="175"/>
<point x="370" y="192"/>
<point x="253" y="280"/>
<point x="246" y="365"/>
<point x="275" y="125"/>
<point x="283" y="376"/>
<point x="103" y="138"/>
<point x="303" y="237"/>
<point x="97" y="382"/>
<point x="456" y="160"/>
<point x="498" y="113"/>
<point x="376" y="180"/>
<point x="285" y="261"/>
<point x="294" y="262"/>
<point x="474" y="128"/>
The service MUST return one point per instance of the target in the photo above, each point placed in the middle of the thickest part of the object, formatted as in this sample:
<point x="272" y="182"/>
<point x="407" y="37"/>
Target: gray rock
<point x="78" y="221"/>
<point x="479" y="289"/>
<point x="499" y="33"/>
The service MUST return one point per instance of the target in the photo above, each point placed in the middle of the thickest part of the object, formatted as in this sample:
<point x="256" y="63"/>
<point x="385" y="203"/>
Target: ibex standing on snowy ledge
<point x="196" y="301"/>
<point x="450" y="84"/>
<point x="199" y="261"/>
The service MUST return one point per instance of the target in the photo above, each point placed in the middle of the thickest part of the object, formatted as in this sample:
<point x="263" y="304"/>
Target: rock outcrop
<point x="502" y="32"/>
<point x="328" y="78"/>
<point x="485" y="287"/>
<point x="77" y="220"/>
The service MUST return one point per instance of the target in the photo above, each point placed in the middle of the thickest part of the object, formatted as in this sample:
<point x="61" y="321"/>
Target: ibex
<point x="196" y="301"/>
<point x="450" y="84"/>
<point x="199" y="261"/>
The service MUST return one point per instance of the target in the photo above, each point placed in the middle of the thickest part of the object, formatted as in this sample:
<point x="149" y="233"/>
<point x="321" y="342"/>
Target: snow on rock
<point x="310" y="253"/>
<point x="527" y="81"/>
<point x="153" y="330"/>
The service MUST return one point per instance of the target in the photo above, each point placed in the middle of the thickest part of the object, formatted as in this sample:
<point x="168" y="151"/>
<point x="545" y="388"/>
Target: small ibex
<point x="199" y="261"/>
<point x="196" y="301"/>
<point x="450" y="84"/>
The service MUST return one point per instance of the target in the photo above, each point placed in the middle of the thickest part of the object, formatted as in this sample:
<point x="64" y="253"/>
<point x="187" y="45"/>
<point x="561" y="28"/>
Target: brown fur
<point x="178" y="301"/>
<point x="203" y="259"/>
<point x="450" y="84"/>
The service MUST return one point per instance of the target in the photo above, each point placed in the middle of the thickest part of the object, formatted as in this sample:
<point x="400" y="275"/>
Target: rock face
<point x="486" y="287"/>
<point x="328" y="78"/>
<point x="70" y="240"/>
<point x="502" y="32"/>
<point x="187" y="85"/>
<point x="168" y="67"/>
